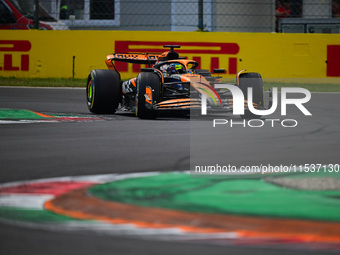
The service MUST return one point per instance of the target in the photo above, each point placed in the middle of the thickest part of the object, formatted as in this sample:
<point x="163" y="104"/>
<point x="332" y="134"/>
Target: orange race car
<point x="170" y="84"/>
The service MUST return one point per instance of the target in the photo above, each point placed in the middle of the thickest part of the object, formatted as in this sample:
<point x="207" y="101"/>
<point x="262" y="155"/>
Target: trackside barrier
<point x="67" y="54"/>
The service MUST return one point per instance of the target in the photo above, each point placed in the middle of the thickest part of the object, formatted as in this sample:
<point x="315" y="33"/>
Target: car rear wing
<point x="142" y="58"/>
<point x="135" y="58"/>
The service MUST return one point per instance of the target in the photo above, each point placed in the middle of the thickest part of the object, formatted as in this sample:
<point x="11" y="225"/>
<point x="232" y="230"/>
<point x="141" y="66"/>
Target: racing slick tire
<point x="103" y="91"/>
<point x="252" y="80"/>
<point x="144" y="104"/>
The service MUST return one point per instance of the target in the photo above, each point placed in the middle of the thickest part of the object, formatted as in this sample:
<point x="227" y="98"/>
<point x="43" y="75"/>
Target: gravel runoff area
<point x="307" y="183"/>
<point x="322" y="179"/>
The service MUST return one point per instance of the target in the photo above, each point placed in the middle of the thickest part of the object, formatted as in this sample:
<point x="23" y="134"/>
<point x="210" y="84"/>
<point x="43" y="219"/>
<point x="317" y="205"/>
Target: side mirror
<point x="148" y="70"/>
<point x="219" y="71"/>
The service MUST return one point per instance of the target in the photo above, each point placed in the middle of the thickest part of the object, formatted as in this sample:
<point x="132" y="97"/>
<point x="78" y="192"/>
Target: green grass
<point x="317" y="87"/>
<point x="62" y="82"/>
<point x="42" y="82"/>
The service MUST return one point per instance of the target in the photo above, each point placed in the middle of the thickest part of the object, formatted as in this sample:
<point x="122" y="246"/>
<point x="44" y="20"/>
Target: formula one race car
<point x="170" y="84"/>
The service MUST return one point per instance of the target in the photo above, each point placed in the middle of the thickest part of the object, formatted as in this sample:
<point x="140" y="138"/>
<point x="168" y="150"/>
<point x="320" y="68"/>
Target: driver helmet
<point x="175" y="68"/>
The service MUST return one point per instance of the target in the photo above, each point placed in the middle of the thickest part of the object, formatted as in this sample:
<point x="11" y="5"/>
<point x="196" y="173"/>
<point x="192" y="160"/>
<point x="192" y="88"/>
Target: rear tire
<point x="103" y="91"/>
<point x="252" y="80"/>
<point x="144" y="107"/>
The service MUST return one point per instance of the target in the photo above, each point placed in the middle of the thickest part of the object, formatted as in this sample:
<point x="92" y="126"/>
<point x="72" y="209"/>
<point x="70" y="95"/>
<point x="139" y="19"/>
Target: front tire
<point x="252" y="80"/>
<point x="103" y="91"/>
<point x="148" y="93"/>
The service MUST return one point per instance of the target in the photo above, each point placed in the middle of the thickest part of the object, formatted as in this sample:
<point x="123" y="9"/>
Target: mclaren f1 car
<point x="170" y="84"/>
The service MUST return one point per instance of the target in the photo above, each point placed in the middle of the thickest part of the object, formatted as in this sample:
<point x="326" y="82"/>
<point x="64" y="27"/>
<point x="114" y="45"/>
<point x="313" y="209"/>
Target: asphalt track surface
<point x="123" y="144"/>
